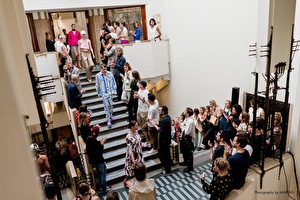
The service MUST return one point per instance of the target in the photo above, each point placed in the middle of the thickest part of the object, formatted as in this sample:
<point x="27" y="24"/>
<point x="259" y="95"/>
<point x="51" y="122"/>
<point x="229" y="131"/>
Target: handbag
<point x="214" y="120"/>
<point x="199" y="127"/>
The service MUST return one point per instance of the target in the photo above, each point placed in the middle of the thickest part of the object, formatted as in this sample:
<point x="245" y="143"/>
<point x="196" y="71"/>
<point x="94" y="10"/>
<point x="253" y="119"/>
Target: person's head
<point x="196" y="111"/>
<point x="111" y="29"/>
<point x="116" y="24"/>
<point x="252" y="102"/>
<point x="74" y="78"/>
<point x="173" y="122"/>
<point x="83" y="108"/>
<point x="104" y="28"/>
<point x="83" y="34"/>
<point x="64" y="31"/>
<point x="48" y="35"/>
<point x="112" y="195"/>
<point x="123" y="24"/>
<point x="70" y="140"/>
<point x="83" y="118"/>
<point x="107" y="37"/>
<point x="95" y="130"/>
<point x="59" y="137"/>
<point x="152" y="22"/>
<point x="119" y="51"/>
<point x="50" y="191"/>
<point x="140" y="171"/>
<point x="84" y="188"/>
<point x="188" y="112"/>
<point x="239" y="142"/>
<point x="133" y="125"/>
<point x="259" y="124"/>
<point x="163" y="110"/>
<point x="108" y="22"/>
<point x="227" y="104"/>
<point x="151" y="97"/>
<point x="112" y="41"/>
<point x="221" y="165"/>
<point x="244" y="117"/>
<point x="212" y="104"/>
<point x="73" y="27"/>
<point x="222" y="136"/>
<point x="136" y="24"/>
<point x="142" y="84"/>
<point x="136" y="75"/>
<point x="103" y="68"/>
<point x="202" y="110"/>
<point x="62" y="38"/>
<point x="236" y="110"/>
<point x="127" y="67"/>
<point x="182" y="117"/>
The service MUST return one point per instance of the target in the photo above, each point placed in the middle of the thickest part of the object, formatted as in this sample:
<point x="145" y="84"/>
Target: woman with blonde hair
<point x="221" y="185"/>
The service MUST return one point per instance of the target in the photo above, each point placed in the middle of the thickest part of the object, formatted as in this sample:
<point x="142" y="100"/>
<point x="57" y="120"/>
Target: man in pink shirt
<point x="73" y="38"/>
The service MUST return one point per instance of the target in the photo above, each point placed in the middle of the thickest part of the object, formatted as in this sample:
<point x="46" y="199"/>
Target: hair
<point x="245" y="117"/>
<point x="182" y="116"/>
<point x="202" y="108"/>
<point x="69" y="139"/>
<point x="103" y="65"/>
<point x="213" y="102"/>
<point x="257" y="101"/>
<point x="82" y="116"/>
<point x="278" y="117"/>
<point x="107" y="37"/>
<point x="238" y="109"/>
<point x="48" y="34"/>
<point x="228" y="102"/>
<point x="222" y="164"/>
<point x="132" y="124"/>
<point x="117" y="23"/>
<point x="121" y="50"/>
<point x="111" y="29"/>
<point x="82" y="108"/>
<point x="196" y="111"/>
<point x="259" y="123"/>
<point x="50" y="191"/>
<point x="136" y="22"/>
<point x="136" y="75"/>
<point x="242" y="140"/>
<point x="189" y="111"/>
<point x="152" y="19"/>
<point x="128" y="65"/>
<point x="151" y="97"/>
<point x="72" y="25"/>
<point x="140" y="171"/>
<point x="83" y="188"/>
<point x="113" y="40"/>
<point x="74" y="77"/>
<point x="124" y="24"/>
<point x="108" y="22"/>
<point x="112" y="195"/>
<point x="165" y="110"/>
<point x="225" y="136"/>
<point x="59" y="134"/>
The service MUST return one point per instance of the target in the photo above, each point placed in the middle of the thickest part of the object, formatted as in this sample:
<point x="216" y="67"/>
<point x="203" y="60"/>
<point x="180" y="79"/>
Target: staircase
<point x="115" y="146"/>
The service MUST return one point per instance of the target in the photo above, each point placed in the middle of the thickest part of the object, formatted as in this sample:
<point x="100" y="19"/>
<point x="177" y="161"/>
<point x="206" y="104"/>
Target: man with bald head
<point x="74" y="95"/>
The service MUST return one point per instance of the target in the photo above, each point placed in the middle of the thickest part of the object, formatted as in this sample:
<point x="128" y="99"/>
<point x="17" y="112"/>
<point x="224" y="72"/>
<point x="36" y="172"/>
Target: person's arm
<point x="211" y="150"/>
<point x="91" y="48"/>
<point x="120" y="63"/>
<point x="110" y="52"/>
<point x="208" y="188"/>
<point x="159" y="32"/>
<point x="79" y="54"/>
<point x="98" y="85"/>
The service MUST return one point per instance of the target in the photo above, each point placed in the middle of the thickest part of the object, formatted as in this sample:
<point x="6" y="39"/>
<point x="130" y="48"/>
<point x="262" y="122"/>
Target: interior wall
<point x="209" y="47"/>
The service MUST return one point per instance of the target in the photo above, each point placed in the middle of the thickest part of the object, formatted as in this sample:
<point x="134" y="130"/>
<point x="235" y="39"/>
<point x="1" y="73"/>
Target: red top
<point x="73" y="38"/>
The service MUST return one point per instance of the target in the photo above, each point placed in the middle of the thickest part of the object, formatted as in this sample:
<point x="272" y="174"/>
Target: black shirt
<point x="94" y="150"/>
<point x="239" y="168"/>
<point x="165" y="130"/>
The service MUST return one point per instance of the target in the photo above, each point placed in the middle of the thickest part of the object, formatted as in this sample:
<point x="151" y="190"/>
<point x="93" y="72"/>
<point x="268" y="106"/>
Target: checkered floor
<point x="178" y="185"/>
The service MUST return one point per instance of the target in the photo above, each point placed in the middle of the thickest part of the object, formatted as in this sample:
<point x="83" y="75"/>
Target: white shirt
<point x="189" y="127"/>
<point x="153" y="113"/>
<point x="143" y="95"/>
<point x="60" y="144"/>
<point x="154" y="33"/>
<point x="259" y="110"/>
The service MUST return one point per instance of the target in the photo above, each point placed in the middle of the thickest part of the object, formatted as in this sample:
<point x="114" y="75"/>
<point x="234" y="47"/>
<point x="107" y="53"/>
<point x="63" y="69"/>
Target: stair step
<point x="103" y="120"/>
<point x="103" y="113"/>
<point x="120" y="125"/>
<point x="115" y="153"/>
<point x="100" y="105"/>
<point x="115" y="143"/>
<point x="119" y="175"/>
<point x="114" y="135"/>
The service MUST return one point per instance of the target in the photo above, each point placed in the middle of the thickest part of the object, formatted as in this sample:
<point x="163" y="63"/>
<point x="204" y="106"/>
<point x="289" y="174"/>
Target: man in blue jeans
<point x="94" y="150"/>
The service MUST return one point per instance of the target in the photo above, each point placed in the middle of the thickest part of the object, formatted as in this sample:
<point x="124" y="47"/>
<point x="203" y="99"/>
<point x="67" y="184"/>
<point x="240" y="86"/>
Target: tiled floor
<point x="178" y="185"/>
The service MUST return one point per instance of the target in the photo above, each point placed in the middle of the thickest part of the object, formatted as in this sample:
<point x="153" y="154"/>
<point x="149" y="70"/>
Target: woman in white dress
<point x="154" y="31"/>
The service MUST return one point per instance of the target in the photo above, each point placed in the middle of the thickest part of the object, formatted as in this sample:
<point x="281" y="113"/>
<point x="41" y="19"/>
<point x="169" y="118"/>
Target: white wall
<point x="209" y="43"/>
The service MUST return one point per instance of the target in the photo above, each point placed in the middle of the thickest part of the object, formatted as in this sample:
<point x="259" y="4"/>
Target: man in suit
<point x="74" y="95"/>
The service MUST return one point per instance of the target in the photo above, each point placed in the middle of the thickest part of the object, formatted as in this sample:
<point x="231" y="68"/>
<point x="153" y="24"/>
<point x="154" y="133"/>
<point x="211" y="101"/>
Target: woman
<point x="134" y="150"/>
<point x="49" y="42"/>
<point x="154" y="31"/>
<point x="73" y="151"/>
<point x="84" y="55"/>
<point x="233" y="120"/>
<point x="136" y="33"/>
<point x="83" y="108"/>
<point x="124" y="34"/>
<point x="244" y="119"/>
<point x="126" y="82"/>
<point x="221" y="185"/>
<point x="202" y="127"/>
<point x="133" y="102"/>
<point x="83" y="124"/>
<point x="85" y="192"/>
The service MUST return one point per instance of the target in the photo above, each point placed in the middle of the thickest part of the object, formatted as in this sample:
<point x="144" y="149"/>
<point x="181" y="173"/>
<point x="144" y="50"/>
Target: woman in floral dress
<point x="134" y="149"/>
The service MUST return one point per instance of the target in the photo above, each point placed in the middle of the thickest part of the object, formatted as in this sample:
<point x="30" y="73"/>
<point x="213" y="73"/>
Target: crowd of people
<point x="227" y="132"/>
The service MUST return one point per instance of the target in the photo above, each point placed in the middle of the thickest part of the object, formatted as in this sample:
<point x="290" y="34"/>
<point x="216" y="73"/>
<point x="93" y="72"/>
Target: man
<point x="142" y="111"/>
<point x="73" y="37"/>
<point x="74" y="95"/>
<point x="188" y="135"/>
<point x="153" y="115"/>
<point x="144" y="188"/>
<point x="50" y="192"/>
<point x="61" y="148"/>
<point x="260" y="113"/>
<point x="106" y="87"/>
<point x="238" y="162"/>
<point x="44" y="166"/>
<point x="164" y="130"/>
<point x="94" y="149"/>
